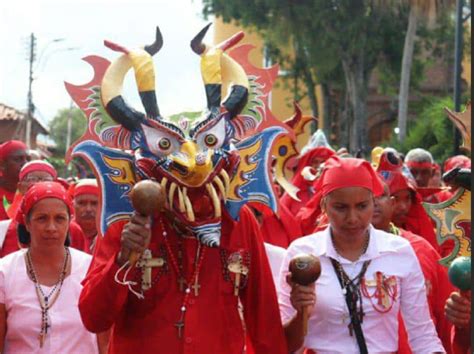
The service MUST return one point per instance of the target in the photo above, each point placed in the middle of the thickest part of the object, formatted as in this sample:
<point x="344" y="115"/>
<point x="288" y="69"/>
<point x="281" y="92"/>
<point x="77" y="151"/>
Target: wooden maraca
<point x="147" y="198"/>
<point x="459" y="273"/>
<point x="305" y="269"/>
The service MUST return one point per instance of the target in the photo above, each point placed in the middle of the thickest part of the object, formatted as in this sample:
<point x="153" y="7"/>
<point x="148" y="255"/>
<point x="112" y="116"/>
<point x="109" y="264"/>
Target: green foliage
<point x="431" y="130"/>
<point x="58" y="128"/>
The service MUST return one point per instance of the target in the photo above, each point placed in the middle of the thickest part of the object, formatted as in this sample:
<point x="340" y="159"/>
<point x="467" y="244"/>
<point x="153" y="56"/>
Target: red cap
<point x="460" y="161"/>
<point x="37" y="165"/>
<point x="10" y="146"/>
<point x="86" y="186"/>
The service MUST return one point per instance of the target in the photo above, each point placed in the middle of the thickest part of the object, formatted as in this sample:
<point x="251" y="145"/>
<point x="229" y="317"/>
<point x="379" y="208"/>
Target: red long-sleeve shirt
<point x="212" y="320"/>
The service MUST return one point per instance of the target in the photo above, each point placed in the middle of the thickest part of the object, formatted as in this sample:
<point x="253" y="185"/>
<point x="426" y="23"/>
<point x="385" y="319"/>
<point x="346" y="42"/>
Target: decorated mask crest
<point x="207" y="165"/>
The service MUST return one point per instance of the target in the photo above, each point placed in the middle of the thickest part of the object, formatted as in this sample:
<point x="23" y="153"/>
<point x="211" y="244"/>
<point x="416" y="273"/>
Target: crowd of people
<point x="381" y="288"/>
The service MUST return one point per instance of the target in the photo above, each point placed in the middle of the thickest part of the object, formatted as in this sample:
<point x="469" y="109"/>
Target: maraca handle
<point x="305" y="320"/>
<point x="134" y="257"/>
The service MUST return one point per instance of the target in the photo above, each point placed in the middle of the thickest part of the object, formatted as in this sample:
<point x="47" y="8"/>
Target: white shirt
<point x="67" y="334"/>
<point x="327" y="325"/>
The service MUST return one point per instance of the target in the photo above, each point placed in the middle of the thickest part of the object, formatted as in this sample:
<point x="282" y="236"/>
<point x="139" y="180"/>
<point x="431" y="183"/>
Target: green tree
<point x="327" y="36"/>
<point x="58" y="128"/>
<point x="432" y="130"/>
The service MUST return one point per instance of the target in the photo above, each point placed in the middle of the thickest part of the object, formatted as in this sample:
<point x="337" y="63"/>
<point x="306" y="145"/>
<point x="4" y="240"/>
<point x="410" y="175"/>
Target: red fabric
<point x="11" y="243"/>
<point x="80" y="189"/>
<point x="37" y="165"/>
<point x="338" y="173"/>
<point x="39" y="191"/>
<point x="11" y="146"/>
<point x="322" y="153"/>
<point x="212" y="321"/>
<point x="460" y="161"/>
<point x="438" y="290"/>
<point x="414" y="164"/>
<point x="461" y="340"/>
<point x="15" y="205"/>
<point x="280" y="231"/>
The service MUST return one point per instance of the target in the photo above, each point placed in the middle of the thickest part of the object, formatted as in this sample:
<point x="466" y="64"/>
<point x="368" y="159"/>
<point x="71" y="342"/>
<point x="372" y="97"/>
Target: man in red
<point x="86" y="202"/>
<point x="408" y="211"/>
<point x="13" y="155"/>
<point x="192" y="305"/>
<point x="458" y="161"/>
<point x="436" y="278"/>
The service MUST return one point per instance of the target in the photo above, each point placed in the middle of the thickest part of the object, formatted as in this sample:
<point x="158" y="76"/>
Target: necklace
<point x="192" y="282"/>
<point x="46" y="301"/>
<point x="364" y="249"/>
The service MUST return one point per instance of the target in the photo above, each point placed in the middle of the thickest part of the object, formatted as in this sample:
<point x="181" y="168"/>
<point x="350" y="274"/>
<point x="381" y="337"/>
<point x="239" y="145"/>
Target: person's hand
<point x="458" y="309"/>
<point x="135" y="237"/>
<point x="301" y="296"/>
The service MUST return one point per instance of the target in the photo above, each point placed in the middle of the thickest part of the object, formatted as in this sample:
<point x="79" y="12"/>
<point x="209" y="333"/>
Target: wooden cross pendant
<point x="179" y="326"/>
<point x="196" y="287"/>
<point x="238" y="269"/>
<point x="146" y="263"/>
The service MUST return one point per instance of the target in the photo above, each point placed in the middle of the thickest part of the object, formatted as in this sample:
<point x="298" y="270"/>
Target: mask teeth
<point x="164" y="183"/>
<point x="171" y="194"/>
<point x="189" y="207"/>
<point x="182" y="207"/>
<point x="226" y="179"/>
<point x="215" y="200"/>
<point x="221" y="188"/>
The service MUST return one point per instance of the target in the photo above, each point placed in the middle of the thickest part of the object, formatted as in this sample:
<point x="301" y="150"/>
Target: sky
<point x="82" y="26"/>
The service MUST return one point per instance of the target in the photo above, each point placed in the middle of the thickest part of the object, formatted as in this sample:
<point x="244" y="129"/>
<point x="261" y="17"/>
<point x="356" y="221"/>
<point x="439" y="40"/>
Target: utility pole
<point x="31" y="107"/>
<point x="458" y="54"/>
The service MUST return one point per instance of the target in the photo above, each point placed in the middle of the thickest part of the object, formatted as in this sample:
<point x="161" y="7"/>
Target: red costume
<point x="306" y="187"/>
<point x="438" y="289"/>
<point x="461" y="340"/>
<point x="212" y="323"/>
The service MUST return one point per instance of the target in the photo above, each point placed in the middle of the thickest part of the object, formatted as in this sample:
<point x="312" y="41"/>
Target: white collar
<point x="376" y="247"/>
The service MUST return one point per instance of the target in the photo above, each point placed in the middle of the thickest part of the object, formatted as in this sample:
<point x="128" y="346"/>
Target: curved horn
<point x="154" y="48"/>
<point x="196" y="43"/>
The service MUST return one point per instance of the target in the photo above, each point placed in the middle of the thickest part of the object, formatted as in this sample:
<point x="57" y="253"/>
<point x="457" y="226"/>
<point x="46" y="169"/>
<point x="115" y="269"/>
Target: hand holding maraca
<point x="458" y="305"/>
<point x="148" y="199"/>
<point x="305" y="270"/>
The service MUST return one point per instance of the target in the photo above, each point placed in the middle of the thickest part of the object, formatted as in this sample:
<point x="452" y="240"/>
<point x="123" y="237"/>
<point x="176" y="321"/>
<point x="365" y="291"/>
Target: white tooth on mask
<point x="171" y="194"/>
<point x="189" y="208"/>
<point x="215" y="200"/>
<point x="182" y="207"/>
<point x="226" y="179"/>
<point x="221" y="187"/>
<point x="164" y="182"/>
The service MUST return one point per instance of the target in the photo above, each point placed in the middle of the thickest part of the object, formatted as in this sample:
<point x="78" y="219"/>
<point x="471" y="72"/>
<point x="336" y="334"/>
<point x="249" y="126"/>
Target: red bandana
<point x="460" y="161"/>
<point x="86" y="186"/>
<point x="10" y="146"/>
<point x="414" y="164"/>
<point x="39" y="191"/>
<point x="37" y="165"/>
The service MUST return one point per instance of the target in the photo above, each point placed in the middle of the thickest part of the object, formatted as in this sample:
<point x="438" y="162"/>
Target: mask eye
<point x="210" y="140"/>
<point x="164" y="144"/>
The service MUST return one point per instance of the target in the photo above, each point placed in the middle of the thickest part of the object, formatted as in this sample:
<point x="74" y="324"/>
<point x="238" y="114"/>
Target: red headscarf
<point x="86" y="186"/>
<point x="460" y="161"/>
<point x="339" y="173"/>
<point x="322" y="152"/>
<point x="37" y="165"/>
<point x="10" y="146"/>
<point x="40" y="191"/>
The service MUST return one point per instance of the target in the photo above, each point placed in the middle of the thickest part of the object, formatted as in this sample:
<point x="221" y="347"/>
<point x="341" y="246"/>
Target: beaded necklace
<point x="46" y="301"/>
<point x="178" y="268"/>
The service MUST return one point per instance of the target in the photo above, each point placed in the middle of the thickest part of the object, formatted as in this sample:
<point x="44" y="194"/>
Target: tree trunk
<point x="357" y="86"/>
<point x="326" y="93"/>
<point x="345" y="120"/>
<point x="407" y="61"/>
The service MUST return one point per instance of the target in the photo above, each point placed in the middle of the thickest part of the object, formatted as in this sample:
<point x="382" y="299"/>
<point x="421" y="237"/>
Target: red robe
<point x="212" y="321"/>
<point x="280" y="231"/>
<point x="438" y="290"/>
<point x="12" y="244"/>
<point x="461" y="340"/>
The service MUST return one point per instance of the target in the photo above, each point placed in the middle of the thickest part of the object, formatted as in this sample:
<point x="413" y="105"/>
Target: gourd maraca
<point x="459" y="274"/>
<point x="305" y="269"/>
<point x="147" y="198"/>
